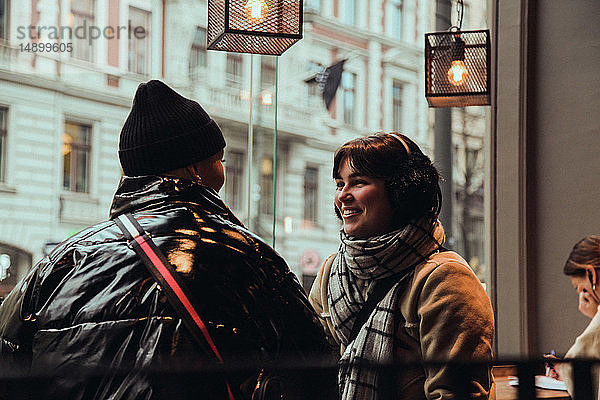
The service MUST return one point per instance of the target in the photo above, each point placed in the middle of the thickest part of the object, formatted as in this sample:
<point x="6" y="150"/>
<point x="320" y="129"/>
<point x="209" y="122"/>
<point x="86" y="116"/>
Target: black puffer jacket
<point x="90" y="315"/>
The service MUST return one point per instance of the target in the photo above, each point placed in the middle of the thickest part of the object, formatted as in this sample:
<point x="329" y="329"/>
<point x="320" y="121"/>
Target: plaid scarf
<point x="362" y="262"/>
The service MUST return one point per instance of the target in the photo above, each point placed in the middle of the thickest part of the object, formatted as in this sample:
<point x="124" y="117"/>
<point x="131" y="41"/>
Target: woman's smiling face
<point x="363" y="203"/>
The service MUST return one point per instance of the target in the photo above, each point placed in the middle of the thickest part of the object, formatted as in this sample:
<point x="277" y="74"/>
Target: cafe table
<point x="505" y="391"/>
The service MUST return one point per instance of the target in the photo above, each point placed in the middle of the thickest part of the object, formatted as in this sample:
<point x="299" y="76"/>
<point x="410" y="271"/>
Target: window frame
<point x="133" y="44"/>
<point x="4" y="20"/>
<point x="396" y="30"/>
<point x="232" y="78"/>
<point x="348" y="15"/>
<point x="311" y="210"/>
<point x="313" y="6"/>
<point x="234" y="173"/>
<point x="197" y="52"/>
<point x="79" y="44"/>
<point x="266" y="187"/>
<point x="397" y="105"/>
<point x="3" y="143"/>
<point x="268" y="73"/>
<point x="348" y="113"/>
<point x="73" y="163"/>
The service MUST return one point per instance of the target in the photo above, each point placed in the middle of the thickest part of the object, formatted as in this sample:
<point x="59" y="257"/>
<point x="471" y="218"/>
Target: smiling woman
<point x="362" y="202"/>
<point x="395" y="164"/>
<point x="392" y="293"/>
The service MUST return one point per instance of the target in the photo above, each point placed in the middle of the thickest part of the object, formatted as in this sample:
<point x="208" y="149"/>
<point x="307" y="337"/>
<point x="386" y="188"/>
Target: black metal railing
<point x="34" y="382"/>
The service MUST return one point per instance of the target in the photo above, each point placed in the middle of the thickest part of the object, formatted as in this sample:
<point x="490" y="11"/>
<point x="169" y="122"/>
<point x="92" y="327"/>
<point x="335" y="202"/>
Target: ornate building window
<point x="76" y="151"/>
<point x="266" y="186"/>
<point x="198" y="52"/>
<point x="348" y="96"/>
<point x="234" y="189"/>
<point x="311" y="191"/>
<point x="3" y="135"/>
<point x="139" y="41"/>
<point x="82" y="14"/>
<point x="348" y="11"/>
<point x="397" y="93"/>
<point x="397" y="19"/>
<point x="3" y="19"/>
<point x="233" y="70"/>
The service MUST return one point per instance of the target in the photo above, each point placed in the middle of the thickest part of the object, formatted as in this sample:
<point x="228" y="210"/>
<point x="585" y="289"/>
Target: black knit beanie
<point x="166" y="131"/>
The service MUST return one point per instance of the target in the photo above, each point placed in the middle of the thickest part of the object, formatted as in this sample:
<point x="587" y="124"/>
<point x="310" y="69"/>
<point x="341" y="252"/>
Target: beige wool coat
<point x="447" y="315"/>
<point x="586" y="346"/>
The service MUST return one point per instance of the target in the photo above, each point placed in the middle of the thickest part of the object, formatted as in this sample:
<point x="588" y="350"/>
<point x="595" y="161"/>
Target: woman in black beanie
<point x="92" y="306"/>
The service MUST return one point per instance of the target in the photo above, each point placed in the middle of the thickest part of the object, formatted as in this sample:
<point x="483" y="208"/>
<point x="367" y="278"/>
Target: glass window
<point x="468" y="180"/>
<point x="233" y="75"/>
<point x="348" y="96"/>
<point x="266" y="186"/>
<point x="348" y="11"/>
<point x="313" y="6"/>
<point x="76" y="156"/>
<point x="234" y="170"/>
<point x="267" y="79"/>
<point x="312" y="94"/>
<point x="397" y="16"/>
<point x="82" y="14"/>
<point x="198" y="52"/>
<point x="311" y="192"/>
<point x="3" y="19"/>
<point x="267" y="72"/>
<point x="3" y="134"/>
<point x="313" y="91"/>
<point x="139" y="41"/>
<point x="397" y="106"/>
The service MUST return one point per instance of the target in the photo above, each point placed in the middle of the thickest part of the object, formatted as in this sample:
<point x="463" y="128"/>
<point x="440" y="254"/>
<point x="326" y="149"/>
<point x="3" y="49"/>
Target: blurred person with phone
<point x="583" y="267"/>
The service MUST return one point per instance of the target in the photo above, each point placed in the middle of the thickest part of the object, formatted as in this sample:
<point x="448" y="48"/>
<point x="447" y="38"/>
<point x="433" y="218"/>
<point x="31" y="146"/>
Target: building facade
<point x="62" y="107"/>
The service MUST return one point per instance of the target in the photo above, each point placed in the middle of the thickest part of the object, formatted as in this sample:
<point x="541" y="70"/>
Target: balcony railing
<point x="36" y="381"/>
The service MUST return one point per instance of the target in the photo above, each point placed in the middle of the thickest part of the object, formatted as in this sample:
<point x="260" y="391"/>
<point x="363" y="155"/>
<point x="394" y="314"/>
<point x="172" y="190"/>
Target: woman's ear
<point x="591" y="273"/>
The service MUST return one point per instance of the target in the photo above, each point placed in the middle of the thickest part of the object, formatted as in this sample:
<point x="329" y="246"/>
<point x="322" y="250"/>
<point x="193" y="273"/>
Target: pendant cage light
<point x="457" y="68"/>
<point x="266" y="27"/>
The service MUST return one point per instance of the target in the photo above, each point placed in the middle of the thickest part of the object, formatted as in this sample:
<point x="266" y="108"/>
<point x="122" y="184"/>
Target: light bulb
<point x="256" y="10"/>
<point x="457" y="73"/>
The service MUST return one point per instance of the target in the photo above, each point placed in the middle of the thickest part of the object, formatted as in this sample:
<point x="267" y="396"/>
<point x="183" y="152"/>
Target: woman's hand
<point x="587" y="304"/>
<point x="553" y="366"/>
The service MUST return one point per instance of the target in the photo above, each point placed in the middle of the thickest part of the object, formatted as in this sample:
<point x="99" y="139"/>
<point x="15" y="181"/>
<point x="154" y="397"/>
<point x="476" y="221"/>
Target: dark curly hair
<point x="585" y="252"/>
<point x="411" y="179"/>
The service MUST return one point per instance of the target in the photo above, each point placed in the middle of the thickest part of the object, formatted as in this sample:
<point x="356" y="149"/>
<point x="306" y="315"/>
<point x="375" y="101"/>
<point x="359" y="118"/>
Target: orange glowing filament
<point x="256" y="10"/>
<point x="457" y="74"/>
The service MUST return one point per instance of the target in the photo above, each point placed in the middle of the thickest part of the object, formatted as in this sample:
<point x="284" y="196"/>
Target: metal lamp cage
<point x="444" y="48"/>
<point x="231" y="28"/>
